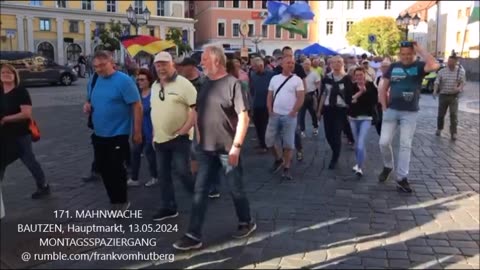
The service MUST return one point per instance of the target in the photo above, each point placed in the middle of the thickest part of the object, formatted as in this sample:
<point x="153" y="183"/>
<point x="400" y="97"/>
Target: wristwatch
<point x="237" y="145"/>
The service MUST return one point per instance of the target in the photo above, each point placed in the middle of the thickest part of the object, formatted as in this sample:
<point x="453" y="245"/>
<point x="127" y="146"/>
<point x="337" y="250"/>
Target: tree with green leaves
<point x="176" y="36"/>
<point x="385" y="29"/>
<point x="109" y="36"/>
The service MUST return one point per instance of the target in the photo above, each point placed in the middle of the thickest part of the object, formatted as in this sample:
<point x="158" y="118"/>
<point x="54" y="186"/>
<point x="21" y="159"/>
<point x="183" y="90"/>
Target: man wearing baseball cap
<point x="173" y="100"/>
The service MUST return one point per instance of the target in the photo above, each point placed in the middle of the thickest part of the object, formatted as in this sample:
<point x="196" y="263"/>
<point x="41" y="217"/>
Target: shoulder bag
<point x="280" y="88"/>
<point x="92" y="86"/>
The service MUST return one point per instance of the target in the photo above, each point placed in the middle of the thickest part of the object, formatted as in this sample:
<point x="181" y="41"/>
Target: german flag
<point x="148" y="44"/>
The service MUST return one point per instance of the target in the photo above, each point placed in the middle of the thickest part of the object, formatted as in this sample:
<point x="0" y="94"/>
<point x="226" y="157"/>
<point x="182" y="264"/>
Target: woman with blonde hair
<point x="14" y="125"/>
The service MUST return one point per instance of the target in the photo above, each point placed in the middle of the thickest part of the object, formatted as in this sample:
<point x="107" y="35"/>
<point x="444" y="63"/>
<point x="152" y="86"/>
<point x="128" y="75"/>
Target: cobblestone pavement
<point x="323" y="219"/>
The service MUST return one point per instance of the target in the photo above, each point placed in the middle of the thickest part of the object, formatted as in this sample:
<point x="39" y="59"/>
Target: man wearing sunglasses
<point x="172" y="100"/>
<point x="404" y="78"/>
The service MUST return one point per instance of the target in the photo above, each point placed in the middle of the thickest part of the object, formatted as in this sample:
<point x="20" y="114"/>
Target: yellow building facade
<point x="48" y="27"/>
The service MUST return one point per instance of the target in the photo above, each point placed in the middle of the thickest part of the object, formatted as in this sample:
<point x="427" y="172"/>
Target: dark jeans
<point x="260" y="119"/>
<point x="347" y="129"/>
<point x="308" y="105"/>
<point x="94" y="169"/>
<point x="209" y="164"/>
<point x="168" y="154"/>
<point x="378" y="124"/>
<point x="137" y="150"/>
<point x="448" y="102"/>
<point x="333" y="120"/>
<point x="26" y="155"/>
<point x="111" y="154"/>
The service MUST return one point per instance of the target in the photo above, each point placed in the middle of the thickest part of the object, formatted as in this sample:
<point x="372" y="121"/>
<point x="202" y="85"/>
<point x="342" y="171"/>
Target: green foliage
<point x="386" y="30"/>
<point x="109" y="36"/>
<point x="176" y="35"/>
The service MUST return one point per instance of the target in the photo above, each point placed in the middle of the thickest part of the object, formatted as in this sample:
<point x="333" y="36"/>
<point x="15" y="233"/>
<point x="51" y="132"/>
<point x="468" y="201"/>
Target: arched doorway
<point x="73" y="52"/>
<point x="46" y="50"/>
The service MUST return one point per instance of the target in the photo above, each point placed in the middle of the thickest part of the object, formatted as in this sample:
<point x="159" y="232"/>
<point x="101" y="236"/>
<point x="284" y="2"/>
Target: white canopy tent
<point x="354" y="50"/>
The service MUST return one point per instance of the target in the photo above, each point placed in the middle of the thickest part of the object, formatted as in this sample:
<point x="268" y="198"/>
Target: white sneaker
<point x="315" y="131"/>
<point x="355" y="168"/>
<point x="303" y="135"/>
<point x="152" y="182"/>
<point x="133" y="183"/>
<point x="359" y="172"/>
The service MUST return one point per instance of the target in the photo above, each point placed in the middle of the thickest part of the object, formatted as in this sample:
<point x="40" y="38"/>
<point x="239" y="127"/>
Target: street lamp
<point x="256" y="40"/>
<point x="134" y="20"/>
<point x="404" y="21"/>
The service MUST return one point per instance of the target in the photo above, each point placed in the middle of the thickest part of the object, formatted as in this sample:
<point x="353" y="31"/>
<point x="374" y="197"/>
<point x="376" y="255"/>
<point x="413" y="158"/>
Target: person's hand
<point x="137" y="138"/>
<point x="270" y="113"/>
<point x="2" y="121"/>
<point x="180" y="132"/>
<point x="234" y="156"/>
<point x="87" y="108"/>
<point x="459" y="89"/>
<point x="292" y="114"/>
<point x="354" y="100"/>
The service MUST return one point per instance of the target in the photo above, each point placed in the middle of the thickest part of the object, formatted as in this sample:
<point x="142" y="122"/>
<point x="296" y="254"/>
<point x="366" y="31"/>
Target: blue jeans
<point x="360" y="131"/>
<point x="209" y="164"/>
<point x="407" y="122"/>
<point x="281" y="128"/>
<point x="177" y="153"/>
<point x="137" y="150"/>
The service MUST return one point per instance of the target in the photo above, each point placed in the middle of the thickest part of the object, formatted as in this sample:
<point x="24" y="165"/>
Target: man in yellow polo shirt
<point x="173" y="113"/>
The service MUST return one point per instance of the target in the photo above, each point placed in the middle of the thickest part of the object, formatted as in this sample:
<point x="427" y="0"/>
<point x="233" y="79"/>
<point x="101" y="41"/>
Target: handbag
<point x="34" y="130"/>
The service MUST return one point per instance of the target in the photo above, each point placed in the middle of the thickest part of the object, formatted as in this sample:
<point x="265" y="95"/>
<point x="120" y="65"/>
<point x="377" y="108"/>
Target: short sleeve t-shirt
<point x="285" y="100"/>
<point x="405" y="85"/>
<point x="169" y="115"/>
<point x="218" y="105"/>
<point x="111" y="101"/>
<point x="311" y="80"/>
<point x="13" y="100"/>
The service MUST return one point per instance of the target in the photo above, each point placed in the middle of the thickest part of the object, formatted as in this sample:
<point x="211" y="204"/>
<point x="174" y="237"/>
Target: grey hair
<point x="218" y="52"/>
<point x="103" y="55"/>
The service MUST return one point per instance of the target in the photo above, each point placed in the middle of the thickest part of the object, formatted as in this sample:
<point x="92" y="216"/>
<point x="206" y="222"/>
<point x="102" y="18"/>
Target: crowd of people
<point x="195" y="123"/>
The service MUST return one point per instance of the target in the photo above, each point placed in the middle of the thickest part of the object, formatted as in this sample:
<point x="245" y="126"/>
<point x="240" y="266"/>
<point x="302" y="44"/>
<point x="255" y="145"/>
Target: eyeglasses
<point x="161" y="94"/>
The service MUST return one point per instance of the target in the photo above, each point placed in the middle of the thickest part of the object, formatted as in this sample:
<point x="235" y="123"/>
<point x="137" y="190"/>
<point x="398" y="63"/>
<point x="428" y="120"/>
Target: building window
<point x="278" y="31"/>
<point x="236" y="3"/>
<point x="349" y="25"/>
<point x="44" y="24"/>
<point x="459" y="37"/>
<point x="35" y="3"/>
<point x="251" y="29"/>
<point x="160" y="8"/>
<point x="86" y="4"/>
<point x="264" y="4"/>
<point x="368" y="4"/>
<point x="291" y="35"/>
<point x="45" y="49"/>
<point x="459" y="14"/>
<point x="250" y="4"/>
<point x="100" y="26"/>
<point x="329" y="27"/>
<point x="388" y="4"/>
<point x="329" y="4"/>
<point x="73" y="27"/>
<point x="221" y="29"/>
<point x="61" y="4"/>
<point x="138" y="6"/>
<point x="73" y="52"/>
<point x="467" y="12"/>
<point x="151" y="30"/>
<point x="126" y="29"/>
<point x="264" y="30"/>
<point x="221" y="3"/>
<point x="467" y="36"/>
<point x="111" y="6"/>
<point x="236" y="30"/>
<point x="350" y="4"/>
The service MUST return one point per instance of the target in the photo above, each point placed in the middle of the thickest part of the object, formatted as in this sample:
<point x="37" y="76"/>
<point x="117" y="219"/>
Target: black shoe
<point x="299" y="155"/>
<point x="214" y="194"/>
<point x="41" y="192"/>
<point x="287" y="175"/>
<point x="277" y="165"/>
<point x="403" y="186"/>
<point x="91" y="178"/>
<point x="245" y="230"/>
<point x="384" y="174"/>
<point x="165" y="214"/>
<point x="454" y="137"/>
<point x="332" y="165"/>
<point x="187" y="243"/>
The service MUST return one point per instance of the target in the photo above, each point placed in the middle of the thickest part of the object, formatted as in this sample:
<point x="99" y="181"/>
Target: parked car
<point x="429" y="80"/>
<point x="36" y="69"/>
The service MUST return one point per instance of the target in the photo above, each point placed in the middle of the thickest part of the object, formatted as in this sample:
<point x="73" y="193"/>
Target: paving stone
<point x="421" y="250"/>
<point x="393" y="254"/>
<point x="447" y="250"/>
<point x="371" y="262"/>
<point x="399" y="264"/>
<point x="470" y="251"/>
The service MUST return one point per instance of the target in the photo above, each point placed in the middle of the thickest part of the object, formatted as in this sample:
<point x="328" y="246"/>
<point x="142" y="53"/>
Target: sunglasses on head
<point x="161" y="94"/>
<point x="406" y="44"/>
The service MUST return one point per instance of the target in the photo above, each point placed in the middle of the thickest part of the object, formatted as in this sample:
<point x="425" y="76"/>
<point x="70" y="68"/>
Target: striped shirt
<point x="447" y="80"/>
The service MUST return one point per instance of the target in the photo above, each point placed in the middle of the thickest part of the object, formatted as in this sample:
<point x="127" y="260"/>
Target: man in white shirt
<point x="312" y="82"/>
<point x="284" y="100"/>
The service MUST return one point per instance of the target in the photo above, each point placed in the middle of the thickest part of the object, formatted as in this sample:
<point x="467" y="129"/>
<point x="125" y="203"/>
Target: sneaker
<point x="303" y="135"/>
<point x="245" y="230"/>
<point x="214" y="194"/>
<point x="332" y="165"/>
<point x="41" y="192"/>
<point x="315" y="131"/>
<point x="454" y="137"/>
<point x="187" y="243"/>
<point x="124" y="206"/>
<point x="133" y="183"/>
<point x="355" y="168"/>
<point x="287" y="175"/>
<point x="165" y="214"/>
<point x="438" y="132"/>
<point x="152" y="182"/>
<point x="91" y="178"/>
<point x="359" y="172"/>
<point x="384" y="174"/>
<point x="277" y="165"/>
<point x="403" y="186"/>
<point x="299" y="155"/>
